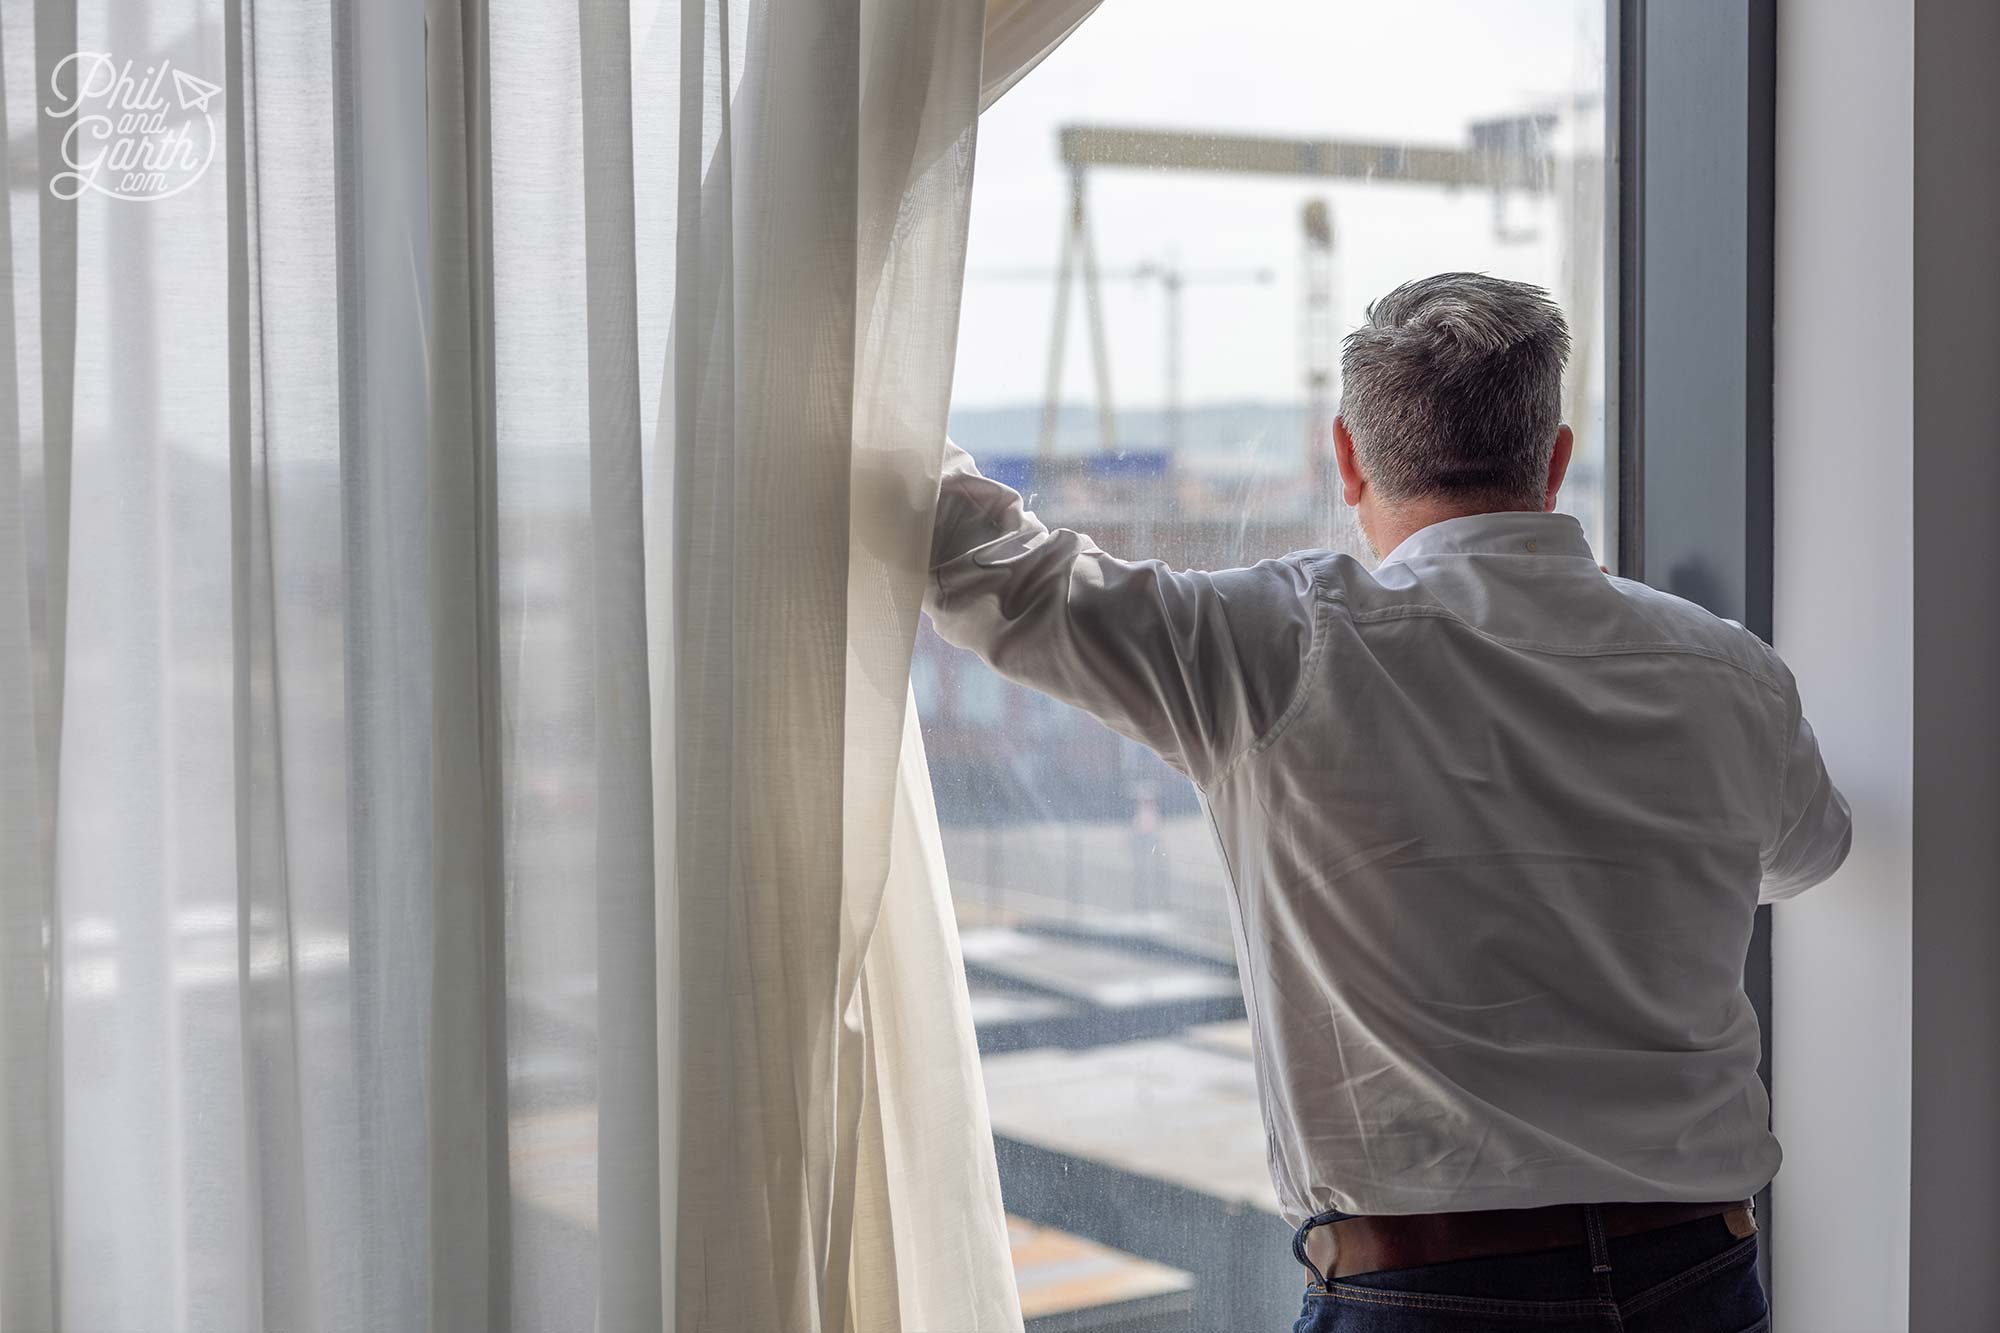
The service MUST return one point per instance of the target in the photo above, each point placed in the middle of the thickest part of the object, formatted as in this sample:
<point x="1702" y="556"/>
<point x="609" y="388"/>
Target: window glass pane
<point x="1249" y="178"/>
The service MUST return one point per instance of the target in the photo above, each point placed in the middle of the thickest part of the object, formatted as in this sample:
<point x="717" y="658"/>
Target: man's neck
<point x="1393" y="526"/>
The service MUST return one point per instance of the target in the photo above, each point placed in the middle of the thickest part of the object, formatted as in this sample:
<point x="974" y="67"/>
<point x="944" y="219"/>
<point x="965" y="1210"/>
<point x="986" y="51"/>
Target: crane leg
<point x="1045" y="447"/>
<point x="1093" y="309"/>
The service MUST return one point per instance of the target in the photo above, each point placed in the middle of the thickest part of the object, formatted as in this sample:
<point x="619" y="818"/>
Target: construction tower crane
<point x="1173" y="279"/>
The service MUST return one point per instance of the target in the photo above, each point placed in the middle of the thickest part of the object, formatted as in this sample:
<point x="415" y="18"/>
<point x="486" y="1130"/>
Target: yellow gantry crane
<point x="1505" y="156"/>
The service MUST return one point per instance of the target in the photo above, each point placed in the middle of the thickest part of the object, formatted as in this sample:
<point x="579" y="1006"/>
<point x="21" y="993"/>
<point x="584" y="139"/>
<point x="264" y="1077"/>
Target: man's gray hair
<point x="1453" y="390"/>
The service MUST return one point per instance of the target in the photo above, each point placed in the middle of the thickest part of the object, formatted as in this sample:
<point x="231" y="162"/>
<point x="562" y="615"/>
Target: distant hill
<point x="1224" y="438"/>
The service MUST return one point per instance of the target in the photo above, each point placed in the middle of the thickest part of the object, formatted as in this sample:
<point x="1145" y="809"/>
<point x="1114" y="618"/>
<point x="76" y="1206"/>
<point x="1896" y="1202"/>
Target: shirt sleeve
<point x="1196" y="666"/>
<point x="1814" y="828"/>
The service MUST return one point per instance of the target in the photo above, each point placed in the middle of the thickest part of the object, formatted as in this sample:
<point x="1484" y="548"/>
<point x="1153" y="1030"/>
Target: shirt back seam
<point x="1620" y="648"/>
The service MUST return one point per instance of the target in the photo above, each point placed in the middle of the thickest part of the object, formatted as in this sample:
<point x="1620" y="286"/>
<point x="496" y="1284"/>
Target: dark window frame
<point x="1693" y="139"/>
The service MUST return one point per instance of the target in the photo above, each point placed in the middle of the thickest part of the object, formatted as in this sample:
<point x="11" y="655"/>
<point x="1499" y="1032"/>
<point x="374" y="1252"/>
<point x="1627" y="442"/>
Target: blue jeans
<point x="1693" y="1277"/>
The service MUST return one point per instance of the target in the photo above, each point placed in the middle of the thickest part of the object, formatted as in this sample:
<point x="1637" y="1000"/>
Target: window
<point x="1214" y="200"/>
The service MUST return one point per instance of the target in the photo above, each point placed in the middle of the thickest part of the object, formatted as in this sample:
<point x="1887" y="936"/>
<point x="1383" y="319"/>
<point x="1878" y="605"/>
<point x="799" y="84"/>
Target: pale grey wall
<point x="1955" y="1099"/>
<point x="1887" y="979"/>
<point x="1843" y="575"/>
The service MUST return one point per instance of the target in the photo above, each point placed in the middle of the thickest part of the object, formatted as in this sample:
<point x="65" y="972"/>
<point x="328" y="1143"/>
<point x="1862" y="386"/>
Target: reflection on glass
<point x="1175" y="219"/>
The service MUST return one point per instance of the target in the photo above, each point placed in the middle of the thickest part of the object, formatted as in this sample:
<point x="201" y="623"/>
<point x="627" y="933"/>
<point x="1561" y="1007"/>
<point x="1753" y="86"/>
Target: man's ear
<point x="1558" y="465"/>
<point x="1352" y="483"/>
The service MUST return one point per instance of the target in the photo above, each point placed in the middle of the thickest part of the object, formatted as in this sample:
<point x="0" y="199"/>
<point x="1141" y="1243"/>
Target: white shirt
<point x="1494" y="825"/>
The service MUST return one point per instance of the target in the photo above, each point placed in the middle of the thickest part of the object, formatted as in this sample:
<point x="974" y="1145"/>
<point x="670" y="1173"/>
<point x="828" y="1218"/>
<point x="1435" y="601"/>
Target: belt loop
<point x="1299" y="1244"/>
<point x="1593" y="1227"/>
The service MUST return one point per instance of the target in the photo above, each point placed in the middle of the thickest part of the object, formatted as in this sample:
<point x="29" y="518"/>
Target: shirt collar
<point x="1505" y="533"/>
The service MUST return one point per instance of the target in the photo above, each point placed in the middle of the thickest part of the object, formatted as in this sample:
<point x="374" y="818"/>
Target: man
<point x="1495" y="824"/>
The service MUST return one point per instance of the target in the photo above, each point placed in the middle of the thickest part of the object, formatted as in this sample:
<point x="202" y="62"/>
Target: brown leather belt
<point x="1369" y="1244"/>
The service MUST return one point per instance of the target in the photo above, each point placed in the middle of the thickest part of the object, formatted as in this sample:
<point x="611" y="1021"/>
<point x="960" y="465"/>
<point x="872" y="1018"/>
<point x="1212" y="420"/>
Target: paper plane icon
<point x="194" y="93"/>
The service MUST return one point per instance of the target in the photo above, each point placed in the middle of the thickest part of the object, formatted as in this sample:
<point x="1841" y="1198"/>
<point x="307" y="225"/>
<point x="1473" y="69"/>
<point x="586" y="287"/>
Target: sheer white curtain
<point x="465" y="857"/>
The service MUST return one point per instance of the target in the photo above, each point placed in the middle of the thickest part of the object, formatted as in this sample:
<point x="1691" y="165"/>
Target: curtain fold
<point x="471" y="1242"/>
<point x="28" y="1143"/>
<point x="466" y="856"/>
<point x="1021" y="33"/>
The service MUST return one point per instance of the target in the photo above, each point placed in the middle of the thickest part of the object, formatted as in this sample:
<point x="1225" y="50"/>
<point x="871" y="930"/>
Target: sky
<point x="1414" y="71"/>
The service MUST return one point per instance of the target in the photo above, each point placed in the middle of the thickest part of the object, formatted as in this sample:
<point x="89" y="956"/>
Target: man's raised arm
<point x="1197" y="666"/>
<point x="1814" y="827"/>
